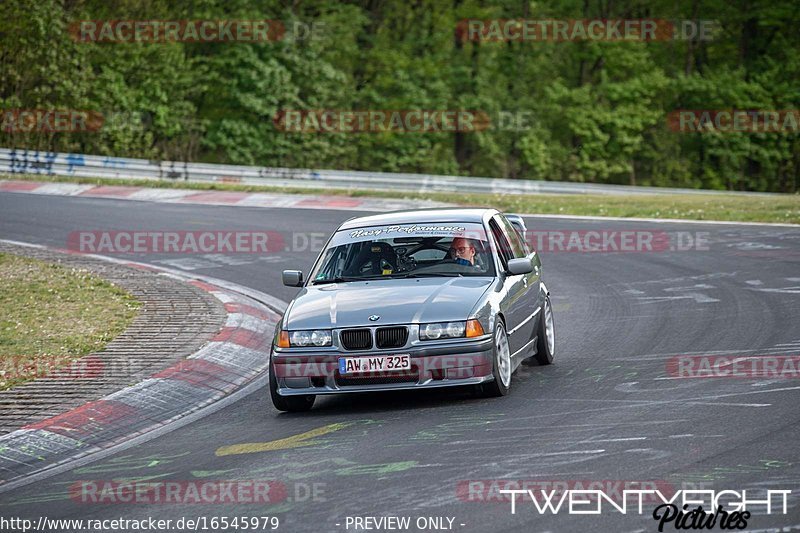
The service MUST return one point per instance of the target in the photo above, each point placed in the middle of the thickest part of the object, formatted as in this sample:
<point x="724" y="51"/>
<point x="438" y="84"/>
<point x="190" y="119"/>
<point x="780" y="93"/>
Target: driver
<point x="463" y="251"/>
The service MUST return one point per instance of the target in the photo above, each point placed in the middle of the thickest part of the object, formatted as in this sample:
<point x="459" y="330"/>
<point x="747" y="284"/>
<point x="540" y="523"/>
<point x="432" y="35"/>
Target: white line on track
<point x="575" y="452"/>
<point x="653" y="403"/>
<point x="660" y="220"/>
<point x="656" y="357"/>
<point x="714" y="396"/>
<point x="621" y="439"/>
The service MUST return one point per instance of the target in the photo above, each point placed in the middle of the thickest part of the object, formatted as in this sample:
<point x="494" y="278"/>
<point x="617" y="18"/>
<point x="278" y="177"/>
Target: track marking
<point x="295" y="441"/>
<point x="745" y="393"/>
<point x="621" y="439"/>
<point x="576" y="452"/>
<point x="696" y="296"/>
<point x="658" y="220"/>
<point x="785" y="290"/>
<point x="587" y="427"/>
<point x="209" y="473"/>
<point x="694" y="401"/>
<point x="655" y="454"/>
<point x="778" y="349"/>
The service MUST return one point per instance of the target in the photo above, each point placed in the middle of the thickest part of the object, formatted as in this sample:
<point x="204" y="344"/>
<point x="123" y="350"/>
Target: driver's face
<point x="463" y="249"/>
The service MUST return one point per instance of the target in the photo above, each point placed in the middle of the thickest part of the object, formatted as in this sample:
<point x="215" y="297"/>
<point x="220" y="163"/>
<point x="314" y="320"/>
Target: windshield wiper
<point x="340" y="279"/>
<point x="397" y="275"/>
<point x="434" y="275"/>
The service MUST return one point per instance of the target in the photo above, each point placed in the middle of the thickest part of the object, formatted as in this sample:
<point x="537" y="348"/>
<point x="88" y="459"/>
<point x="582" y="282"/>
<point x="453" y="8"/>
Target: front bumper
<point x="464" y="362"/>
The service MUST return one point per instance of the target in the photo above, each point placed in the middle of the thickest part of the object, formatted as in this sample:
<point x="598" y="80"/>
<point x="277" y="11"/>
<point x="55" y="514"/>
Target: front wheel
<point x="291" y="404"/>
<point x="501" y="364"/>
<point x="546" y="341"/>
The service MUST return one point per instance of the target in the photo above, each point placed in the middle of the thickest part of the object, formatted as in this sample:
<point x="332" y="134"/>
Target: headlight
<point x="303" y="339"/>
<point x="442" y="330"/>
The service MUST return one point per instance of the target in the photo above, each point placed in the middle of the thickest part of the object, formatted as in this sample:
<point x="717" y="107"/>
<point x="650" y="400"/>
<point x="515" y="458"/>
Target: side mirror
<point x="292" y="278"/>
<point x="523" y="265"/>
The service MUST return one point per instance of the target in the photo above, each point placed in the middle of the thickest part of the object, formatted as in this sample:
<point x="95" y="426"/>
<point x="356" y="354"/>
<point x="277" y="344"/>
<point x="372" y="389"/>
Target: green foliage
<point x="591" y="111"/>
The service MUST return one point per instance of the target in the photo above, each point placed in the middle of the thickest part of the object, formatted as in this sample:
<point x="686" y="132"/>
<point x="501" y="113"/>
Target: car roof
<point x="420" y="216"/>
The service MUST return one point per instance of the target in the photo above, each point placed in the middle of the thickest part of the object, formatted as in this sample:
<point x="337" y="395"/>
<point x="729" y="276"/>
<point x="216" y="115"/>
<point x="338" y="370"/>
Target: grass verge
<point x="722" y="207"/>
<point x="52" y="315"/>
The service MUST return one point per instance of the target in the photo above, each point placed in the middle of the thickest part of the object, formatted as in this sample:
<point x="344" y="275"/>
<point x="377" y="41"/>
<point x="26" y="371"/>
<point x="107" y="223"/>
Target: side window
<point x="522" y="232"/>
<point x="503" y="247"/>
<point x="517" y="245"/>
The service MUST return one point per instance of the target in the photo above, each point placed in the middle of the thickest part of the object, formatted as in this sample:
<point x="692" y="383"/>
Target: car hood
<point x="396" y="301"/>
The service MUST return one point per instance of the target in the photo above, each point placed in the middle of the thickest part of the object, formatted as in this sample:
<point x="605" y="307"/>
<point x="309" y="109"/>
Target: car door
<point x="531" y="281"/>
<point x="513" y="304"/>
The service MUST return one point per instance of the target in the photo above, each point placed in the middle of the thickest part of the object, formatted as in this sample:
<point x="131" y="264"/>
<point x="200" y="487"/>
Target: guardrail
<point x="15" y="161"/>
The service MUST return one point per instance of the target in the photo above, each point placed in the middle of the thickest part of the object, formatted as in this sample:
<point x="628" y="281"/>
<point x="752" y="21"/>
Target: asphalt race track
<point x="604" y="412"/>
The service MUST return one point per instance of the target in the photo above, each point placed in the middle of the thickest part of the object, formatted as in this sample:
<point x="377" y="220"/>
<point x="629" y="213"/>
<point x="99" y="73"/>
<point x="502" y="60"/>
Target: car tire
<point x="501" y="364"/>
<point x="546" y="340"/>
<point x="290" y="404"/>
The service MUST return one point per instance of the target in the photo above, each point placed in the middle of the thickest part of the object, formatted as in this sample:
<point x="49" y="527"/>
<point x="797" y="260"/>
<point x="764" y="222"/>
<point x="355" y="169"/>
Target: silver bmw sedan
<point x="413" y="299"/>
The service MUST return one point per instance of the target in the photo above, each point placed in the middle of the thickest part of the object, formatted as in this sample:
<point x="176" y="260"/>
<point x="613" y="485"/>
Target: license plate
<point x="376" y="363"/>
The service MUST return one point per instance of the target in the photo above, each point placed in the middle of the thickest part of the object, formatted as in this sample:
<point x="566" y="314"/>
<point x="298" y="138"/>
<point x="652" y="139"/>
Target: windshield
<point x="405" y="251"/>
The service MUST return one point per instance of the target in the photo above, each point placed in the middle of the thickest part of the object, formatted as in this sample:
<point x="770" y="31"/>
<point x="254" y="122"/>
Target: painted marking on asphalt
<point x="654" y="403"/>
<point x="295" y="441"/>
<point x="593" y="427"/>
<point x="753" y="246"/>
<point x="576" y="452"/>
<point x="719" y="473"/>
<point x="688" y="292"/>
<point x="379" y="469"/>
<point x="784" y="389"/>
<point x="701" y="277"/>
<point x="777" y="350"/>
<point x="631" y="386"/>
<point x="129" y="462"/>
<point x="622" y="439"/>
<point x="785" y="290"/>
<point x="209" y="473"/>
<point x="696" y="296"/>
<point x="692" y="435"/>
<point x="656" y="220"/>
<point x="652" y="452"/>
